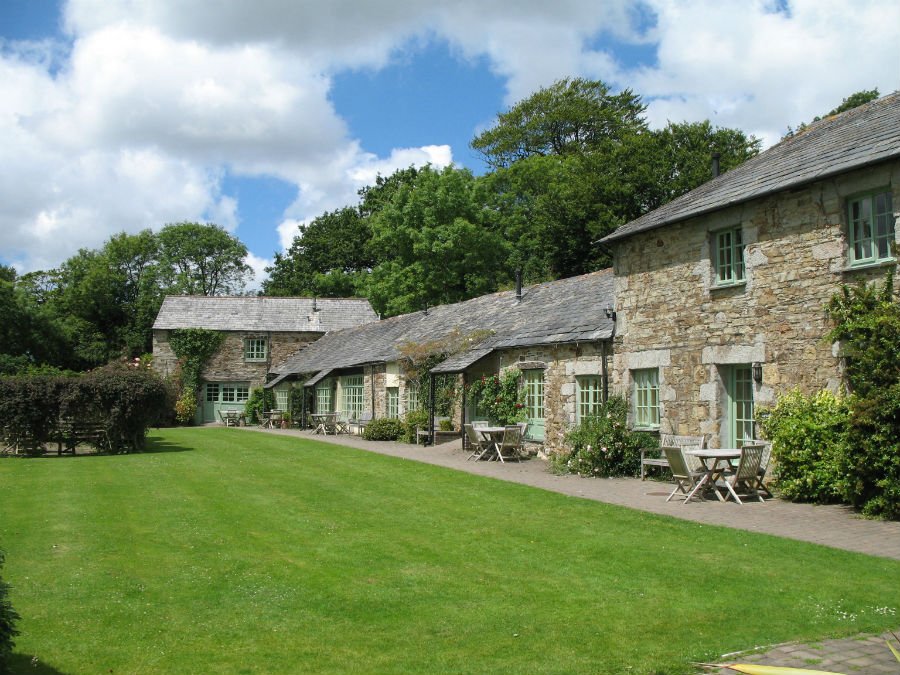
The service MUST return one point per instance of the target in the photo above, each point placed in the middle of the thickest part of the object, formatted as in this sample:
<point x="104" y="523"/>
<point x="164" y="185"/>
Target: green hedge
<point x="385" y="429"/>
<point x="123" y="401"/>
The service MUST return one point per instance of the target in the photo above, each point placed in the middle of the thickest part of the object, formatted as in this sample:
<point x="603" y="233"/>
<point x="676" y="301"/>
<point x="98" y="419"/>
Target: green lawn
<point x="227" y="551"/>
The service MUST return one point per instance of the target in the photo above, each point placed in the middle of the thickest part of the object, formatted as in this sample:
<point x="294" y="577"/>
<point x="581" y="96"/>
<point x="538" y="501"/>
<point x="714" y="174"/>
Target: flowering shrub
<point x="602" y="445"/>
<point x="499" y="397"/>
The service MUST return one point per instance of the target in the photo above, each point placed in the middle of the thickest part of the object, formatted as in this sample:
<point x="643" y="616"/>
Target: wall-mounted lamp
<point x="757" y="372"/>
<point x="610" y="313"/>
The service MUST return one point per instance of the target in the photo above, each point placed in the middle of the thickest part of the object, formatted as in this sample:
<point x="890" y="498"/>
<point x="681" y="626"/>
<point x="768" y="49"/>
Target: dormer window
<point x="729" y="257"/>
<point x="871" y="228"/>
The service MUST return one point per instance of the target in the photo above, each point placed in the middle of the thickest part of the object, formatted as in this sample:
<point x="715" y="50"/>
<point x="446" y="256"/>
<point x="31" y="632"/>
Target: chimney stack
<point x="519" y="285"/>
<point x="715" y="164"/>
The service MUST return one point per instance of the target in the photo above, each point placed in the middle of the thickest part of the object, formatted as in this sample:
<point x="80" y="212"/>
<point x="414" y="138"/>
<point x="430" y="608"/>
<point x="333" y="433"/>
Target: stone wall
<point x="228" y="364"/>
<point x="562" y="364"/>
<point x="671" y="316"/>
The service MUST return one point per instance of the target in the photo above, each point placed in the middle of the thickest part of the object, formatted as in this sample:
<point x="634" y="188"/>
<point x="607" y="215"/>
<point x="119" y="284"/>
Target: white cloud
<point x="258" y="265"/>
<point x="136" y="122"/>
<point x="337" y="183"/>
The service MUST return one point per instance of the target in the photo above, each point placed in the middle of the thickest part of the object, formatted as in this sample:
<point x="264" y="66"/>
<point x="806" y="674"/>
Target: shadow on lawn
<point x="24" y="664"/>
<point x="152" y="446"/>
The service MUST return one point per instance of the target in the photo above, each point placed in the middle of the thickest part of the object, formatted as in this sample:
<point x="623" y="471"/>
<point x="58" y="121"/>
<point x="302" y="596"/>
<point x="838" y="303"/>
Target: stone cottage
<point x="720" y="294"/>
<point x="259" y="332"/>
<point x="557" y="333"/>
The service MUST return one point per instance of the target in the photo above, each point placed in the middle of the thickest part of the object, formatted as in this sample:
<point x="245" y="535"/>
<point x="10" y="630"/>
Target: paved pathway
<point x="834" y="526"/>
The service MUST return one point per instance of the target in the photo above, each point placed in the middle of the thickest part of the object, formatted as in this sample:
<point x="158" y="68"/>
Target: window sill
<point x="728" y="286"/>
<point x="262" y="360"/>
<point x="650" y="429"/>
<point x="890" y="262"/>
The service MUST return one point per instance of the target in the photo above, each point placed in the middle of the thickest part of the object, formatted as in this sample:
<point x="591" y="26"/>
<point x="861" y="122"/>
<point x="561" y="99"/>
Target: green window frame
<point x="870" y="221"/>
<point x="353" y="394"/>
<point x="229" y="394"/>
<point x="282" y="398"/>
<point x="590" y="396"/>
<point x="212" y="392"/>
<point x="324" y="397"/>
<point x="729" y="252"/>
<point x="241" y="393"/>
<point x="392" y="402"/>
<point x="534" y="403"/>
<point x="646" y="398"/>
<point x="741" y="409"/>
<point x="255" y="349"/>
<point x="412" y="396"/>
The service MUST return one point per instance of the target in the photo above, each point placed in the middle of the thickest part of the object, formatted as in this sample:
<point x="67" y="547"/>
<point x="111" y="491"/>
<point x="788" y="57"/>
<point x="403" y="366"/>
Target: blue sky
<point x="121" y="115"/>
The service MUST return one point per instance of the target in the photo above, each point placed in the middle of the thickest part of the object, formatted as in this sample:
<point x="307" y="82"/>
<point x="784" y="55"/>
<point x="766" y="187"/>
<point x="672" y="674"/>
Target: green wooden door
<point x="219" y="396"/>
<point x="741" y="420"/>
<point x="534" y="404"/>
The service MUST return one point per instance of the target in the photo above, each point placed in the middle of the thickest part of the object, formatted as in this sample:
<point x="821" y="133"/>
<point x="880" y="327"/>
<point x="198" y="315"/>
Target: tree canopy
<point x="101" y="304"/>
<point x="202" y="259"/>
<point x="570" y="116"/>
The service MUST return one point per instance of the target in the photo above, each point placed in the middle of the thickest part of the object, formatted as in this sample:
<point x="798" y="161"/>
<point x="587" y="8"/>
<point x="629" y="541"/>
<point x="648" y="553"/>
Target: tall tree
<point x="436" y="243"/>
<point x="570" y="116"/>
<point x="332" y="256"/>
<point x="573" y="162"/>
<point x="203" y="259"/>
<point x="329" y="258"/>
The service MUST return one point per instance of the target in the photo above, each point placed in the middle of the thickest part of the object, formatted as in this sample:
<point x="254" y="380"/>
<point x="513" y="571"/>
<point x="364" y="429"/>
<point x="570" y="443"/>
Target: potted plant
<point x="286" y="420"/>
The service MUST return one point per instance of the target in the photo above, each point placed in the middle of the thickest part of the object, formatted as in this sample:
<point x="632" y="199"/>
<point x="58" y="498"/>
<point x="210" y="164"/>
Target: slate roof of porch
<point x="859" y="137"/>
<point x="565" y="311"/>
<point x="257" y="313"/>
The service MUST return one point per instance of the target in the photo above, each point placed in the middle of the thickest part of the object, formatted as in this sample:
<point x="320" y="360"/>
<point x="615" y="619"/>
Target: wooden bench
<point x="70" y="433"/>
<point x="651" y="456"/>
<point x="436" y="434"/>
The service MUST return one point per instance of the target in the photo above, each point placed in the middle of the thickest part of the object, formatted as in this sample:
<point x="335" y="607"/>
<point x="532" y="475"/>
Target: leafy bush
<point x="186" y="407"/>
<point x="413" y="419"/>
<point x="29" y="408"/>
<point x="500" y="397"/>
<point x="603" y="445"/>
<point x="124" y="401"/>
<point x="872" y="456"/>
<point x="809" y="442"/>
<point x="8" y="618"/>
<point x="385" y="429"/>
<point x="258" y="402"/>
<point x="867" y="324"/>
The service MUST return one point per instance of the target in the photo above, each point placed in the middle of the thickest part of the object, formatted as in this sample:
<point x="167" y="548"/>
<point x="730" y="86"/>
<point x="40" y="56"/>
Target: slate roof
<point x="255" y="313"/>
<point x="859" y="137"/>
<point x="564" y="311"/>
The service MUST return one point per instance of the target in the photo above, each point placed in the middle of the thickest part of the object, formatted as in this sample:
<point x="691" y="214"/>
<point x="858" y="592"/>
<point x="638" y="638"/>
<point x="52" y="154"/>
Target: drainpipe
<point x="431" y="408"/>
<point x="372" y="385"/>
<point x="462" y="415"/>
<point x="604" y="372"/>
